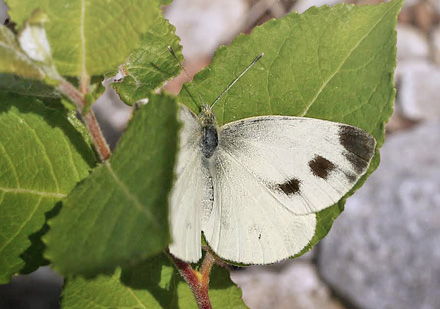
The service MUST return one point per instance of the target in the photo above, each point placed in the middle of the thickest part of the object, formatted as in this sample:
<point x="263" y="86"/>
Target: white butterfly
<point x="254" y="186"/>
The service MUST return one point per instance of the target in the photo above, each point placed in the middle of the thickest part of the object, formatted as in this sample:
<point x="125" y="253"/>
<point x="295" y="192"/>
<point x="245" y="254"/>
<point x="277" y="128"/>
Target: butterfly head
<point x="207" y="117"/>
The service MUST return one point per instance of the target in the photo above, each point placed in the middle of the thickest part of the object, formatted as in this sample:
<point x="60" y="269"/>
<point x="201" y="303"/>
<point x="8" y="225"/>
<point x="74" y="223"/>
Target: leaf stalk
<point x="198" y="281"/>
<point x="89" y="118"/>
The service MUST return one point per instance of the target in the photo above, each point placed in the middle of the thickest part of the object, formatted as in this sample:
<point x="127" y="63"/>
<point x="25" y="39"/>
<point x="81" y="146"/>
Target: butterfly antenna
<point x="186" y="73"/>
<point x="236" y="79"/>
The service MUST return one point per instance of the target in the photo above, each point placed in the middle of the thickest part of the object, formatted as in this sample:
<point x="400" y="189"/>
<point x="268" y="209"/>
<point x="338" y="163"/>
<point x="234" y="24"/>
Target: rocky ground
<point x="382" y="252"/>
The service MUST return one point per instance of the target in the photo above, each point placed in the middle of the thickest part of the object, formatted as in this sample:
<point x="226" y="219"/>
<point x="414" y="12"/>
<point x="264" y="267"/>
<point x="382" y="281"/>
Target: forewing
<point x="307" y="164"/>
<point x="191" y="193"/>
<point x="271" y="175"/>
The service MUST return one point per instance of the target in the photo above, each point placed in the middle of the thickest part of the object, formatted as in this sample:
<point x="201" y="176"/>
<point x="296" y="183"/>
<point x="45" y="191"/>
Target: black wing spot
<point x="352" y="177"/>
<point x="359" y="164"/>
<point x="290" y="187"/>
<point x="359" y="146"/>
<point x="321" y="167"/>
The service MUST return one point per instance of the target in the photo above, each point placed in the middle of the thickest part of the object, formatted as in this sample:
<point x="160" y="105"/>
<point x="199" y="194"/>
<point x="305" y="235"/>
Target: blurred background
<point x="384" y="250"/>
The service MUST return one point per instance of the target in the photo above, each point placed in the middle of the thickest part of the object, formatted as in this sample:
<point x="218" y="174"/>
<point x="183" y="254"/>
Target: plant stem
<point x="198" y="281"/>
<point x="89" y="119"/>
<point x="207" y="264"/>
<point x="98" y="139"/>
<point x="84" y="83"/>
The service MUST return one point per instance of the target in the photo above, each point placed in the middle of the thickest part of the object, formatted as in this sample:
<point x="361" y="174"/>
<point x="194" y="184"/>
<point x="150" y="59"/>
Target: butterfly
<point x="254" y="186"/>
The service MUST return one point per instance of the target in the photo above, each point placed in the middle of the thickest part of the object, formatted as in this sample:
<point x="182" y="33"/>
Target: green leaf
<point x="89" y="36"/>
<point x="119" y="214"/>
<point x="154" y="283"/>
<point x="33" y="256"/>
<point x="333" y="63"/>
<point x="29" y="87"/>
<point x="18" y="72"/>
<point x="165" y="2"/>
<point x="151" y="64"/>
<point x="14" y="60"/>
<point x="42" y="157"/>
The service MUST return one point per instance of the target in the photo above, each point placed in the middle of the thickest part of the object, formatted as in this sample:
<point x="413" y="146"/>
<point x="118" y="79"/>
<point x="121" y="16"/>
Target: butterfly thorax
<point x="208" y="123"/>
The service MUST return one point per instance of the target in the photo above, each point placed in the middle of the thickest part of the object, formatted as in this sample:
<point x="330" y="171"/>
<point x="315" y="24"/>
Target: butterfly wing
<point x="271" y="175"/>
<point x="191" y="193"/>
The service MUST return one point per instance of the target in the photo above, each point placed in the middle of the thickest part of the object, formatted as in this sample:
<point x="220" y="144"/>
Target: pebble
<point x="39" y="290"/>
<point x="3" y="12"/>
<point x="418" y="89"/>
<point x="204" y="25"/>
<point x="295" y="286"/>
<point x="301" y="6"/>
<point x="411" y="43"/>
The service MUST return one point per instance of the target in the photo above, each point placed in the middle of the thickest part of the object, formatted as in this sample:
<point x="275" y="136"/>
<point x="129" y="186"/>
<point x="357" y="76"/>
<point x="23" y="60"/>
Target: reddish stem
<point x="197" y="281"/>
<point x="205" y="270"/>
<point x="72" y="94"/>
<point x="98" y="139"/>
<point x="89" y="119"/>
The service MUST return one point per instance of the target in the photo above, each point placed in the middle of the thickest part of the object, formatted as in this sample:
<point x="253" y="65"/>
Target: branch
<point x="98" y="139"/>
<point x="205" y="270"/>
<point x="197" y="281"/>
<point x="89" y="119"/>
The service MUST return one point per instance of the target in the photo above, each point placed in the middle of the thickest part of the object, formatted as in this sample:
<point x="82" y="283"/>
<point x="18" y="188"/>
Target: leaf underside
<point x="89" y="36"/>
<point x="42" y="157"/>
<point x="119" y="214"/>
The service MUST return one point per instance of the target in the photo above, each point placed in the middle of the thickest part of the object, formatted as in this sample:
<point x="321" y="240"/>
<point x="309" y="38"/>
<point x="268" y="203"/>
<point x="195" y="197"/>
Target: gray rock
<point x="203" y="25"/>
<point x="411" y="42"/>
<point x="3" y="12"/>
<point x="383" y="251"/>
<point x="301" y="6"/>
<point x="39" y="290"/>
<point x="418" y="84"/>
<point x="295" y="286"/>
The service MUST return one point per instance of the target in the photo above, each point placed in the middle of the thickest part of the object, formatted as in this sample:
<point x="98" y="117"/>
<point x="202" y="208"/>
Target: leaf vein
<point x="52" y="171"/>
<point x="130" y="195"/>
<point x="83" y="40"/>
<point x="36" y="192"/>
<point x="22" y="225"/>
<point x="8" y="159"/>
<point x="130" y="290"/>
<point x="343" y="62"/>
<point x="75" y="168"/>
